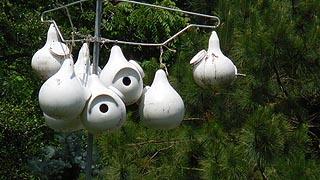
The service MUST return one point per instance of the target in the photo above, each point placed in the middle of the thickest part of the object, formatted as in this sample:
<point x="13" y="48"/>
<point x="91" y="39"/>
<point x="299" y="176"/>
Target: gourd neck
<point x="84" y="56"/>
<point x="52" y="35"/>
<point x="214" y="44"/>
<point x="116" y="55"/>
<point x="160" y="79"/>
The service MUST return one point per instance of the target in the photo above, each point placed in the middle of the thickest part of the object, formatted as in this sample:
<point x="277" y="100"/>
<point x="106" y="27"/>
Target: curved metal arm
<point x="216" y="18"/>
<point x="105" y="40"/>
<point x="61" y="7"/>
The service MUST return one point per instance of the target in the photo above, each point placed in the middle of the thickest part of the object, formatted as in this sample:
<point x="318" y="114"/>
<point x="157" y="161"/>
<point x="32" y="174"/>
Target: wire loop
<point x="162" y="65"/>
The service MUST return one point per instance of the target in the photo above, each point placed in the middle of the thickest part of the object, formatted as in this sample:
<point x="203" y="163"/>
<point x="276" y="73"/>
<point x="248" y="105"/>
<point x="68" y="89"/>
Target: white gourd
<point x="126" y="76"/>
<point x="82" y="66"/>
<point x="105" y="111"/>
<point x="62" y="96"/>
<point x="161" y="107"/>
<point x="212" y="69"/>
<point x="48" y="60"/>
<point x="63" y="125"/>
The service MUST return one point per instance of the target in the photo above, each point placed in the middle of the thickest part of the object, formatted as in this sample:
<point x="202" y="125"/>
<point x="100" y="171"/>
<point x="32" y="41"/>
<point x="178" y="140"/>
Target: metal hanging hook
<point x="60" y="7"/>
<point x="55" y="24"/>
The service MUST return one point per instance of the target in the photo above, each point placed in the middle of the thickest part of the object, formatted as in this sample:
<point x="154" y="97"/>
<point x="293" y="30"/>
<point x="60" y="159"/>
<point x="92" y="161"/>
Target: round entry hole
<point x="104" y="108"/>
<point x="126" y="81"/>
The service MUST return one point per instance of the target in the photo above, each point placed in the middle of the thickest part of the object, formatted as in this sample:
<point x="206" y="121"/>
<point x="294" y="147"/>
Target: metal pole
<point x="95" y="71"/>
<point x="89" y="156"/>
<point x="97" y="36"/>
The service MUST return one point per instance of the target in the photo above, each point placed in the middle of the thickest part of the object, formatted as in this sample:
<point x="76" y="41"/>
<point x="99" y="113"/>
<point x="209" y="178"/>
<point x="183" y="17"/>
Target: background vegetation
<point x="263" y="126"/>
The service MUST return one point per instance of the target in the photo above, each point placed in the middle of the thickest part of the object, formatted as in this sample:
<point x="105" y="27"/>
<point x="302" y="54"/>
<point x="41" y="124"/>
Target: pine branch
<point x="195" y="119"/>
<point x="258" y="167"/>
<point x="264" y="177"/>
<point x="279" y="80"/>
<point x="163" y="149"/>
<point x="193" y="169"/>
<point x="160" y="142"/>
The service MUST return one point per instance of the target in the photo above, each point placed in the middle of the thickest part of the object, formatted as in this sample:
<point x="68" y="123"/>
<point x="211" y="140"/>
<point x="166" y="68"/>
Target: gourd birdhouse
<point x="161" y="107"/>
<point x="82" y="66"/>
<point x="62" y="96"/>
<point x="212" y="69"/>
<point x="48" y="60"/>
<point x="63" y="125"/>
<point x="105" y="111"/>
<point x="126" y="76"/>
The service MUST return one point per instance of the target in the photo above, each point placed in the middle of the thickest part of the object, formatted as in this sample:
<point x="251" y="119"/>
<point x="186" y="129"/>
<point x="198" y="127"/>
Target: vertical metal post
<point x="89" y="156"/>
<point x="96" y="52"/>
<point x="97" y="36"/>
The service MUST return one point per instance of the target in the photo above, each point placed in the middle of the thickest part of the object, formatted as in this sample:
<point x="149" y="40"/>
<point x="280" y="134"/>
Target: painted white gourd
<point x="161" y="107"/>
<point x="63" y="125"/>
<point x="105" y="111"/>
<point x="48" y="60"/>
<point x="212" y="69"/>
<point x="62" y="96"/>
<point x="126" y="76"/>
<point x="82" y="66"/>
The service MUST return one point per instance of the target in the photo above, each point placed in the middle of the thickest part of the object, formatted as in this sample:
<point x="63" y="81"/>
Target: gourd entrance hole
<point x="104" y="108"/>
<point x="126" y="81"/>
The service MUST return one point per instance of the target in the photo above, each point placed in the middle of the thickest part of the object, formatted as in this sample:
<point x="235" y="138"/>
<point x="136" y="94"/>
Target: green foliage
<point x="162" y="154"/>
<point x="22" y="131"/>
<point x="222" y="159"/>
<point x="263" y="138"/>
<point x="136" y="23"/>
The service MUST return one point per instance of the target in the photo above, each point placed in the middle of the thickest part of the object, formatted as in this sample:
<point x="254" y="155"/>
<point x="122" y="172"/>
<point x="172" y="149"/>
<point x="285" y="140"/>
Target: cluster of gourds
<point x="73" y="98"/>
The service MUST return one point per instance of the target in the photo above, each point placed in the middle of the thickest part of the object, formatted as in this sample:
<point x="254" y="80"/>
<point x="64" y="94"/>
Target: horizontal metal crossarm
<point x="172" y="9"/>
<point x="105" y="40"/>
<point x="89" y="38"/>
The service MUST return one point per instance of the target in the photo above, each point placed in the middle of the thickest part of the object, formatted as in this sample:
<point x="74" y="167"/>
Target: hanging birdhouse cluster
<point x="73" y="98"/>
